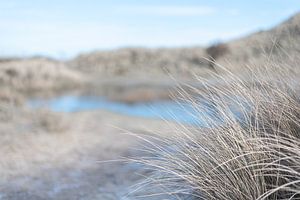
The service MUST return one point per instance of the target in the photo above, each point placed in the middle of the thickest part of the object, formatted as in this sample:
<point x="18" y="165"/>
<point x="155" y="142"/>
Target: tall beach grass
<point x="248" y="147"/>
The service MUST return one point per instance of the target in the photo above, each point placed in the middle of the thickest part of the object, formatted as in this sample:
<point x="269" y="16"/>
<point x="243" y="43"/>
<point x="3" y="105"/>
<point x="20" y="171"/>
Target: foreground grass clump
<point x="249" y="147"/>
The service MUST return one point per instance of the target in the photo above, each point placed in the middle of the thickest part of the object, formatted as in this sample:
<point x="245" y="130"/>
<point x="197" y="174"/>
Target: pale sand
<point x="63" y="156"/>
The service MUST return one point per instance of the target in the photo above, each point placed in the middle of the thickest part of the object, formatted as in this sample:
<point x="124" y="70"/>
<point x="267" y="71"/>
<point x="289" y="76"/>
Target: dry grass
<point x="143" y="62"/>
<point x="37" y="74"/>
<point x="249" y="147"/>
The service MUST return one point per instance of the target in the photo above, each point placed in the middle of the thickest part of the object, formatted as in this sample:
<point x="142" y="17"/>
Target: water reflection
<point x="167" y="110"/>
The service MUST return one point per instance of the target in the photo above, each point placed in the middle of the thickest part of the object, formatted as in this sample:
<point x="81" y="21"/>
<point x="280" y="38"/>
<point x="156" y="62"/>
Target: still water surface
<point x="167" y="110"/>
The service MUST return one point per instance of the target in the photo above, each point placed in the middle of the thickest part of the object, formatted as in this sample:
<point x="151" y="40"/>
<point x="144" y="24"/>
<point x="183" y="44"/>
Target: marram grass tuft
<point x="248" y="148"/>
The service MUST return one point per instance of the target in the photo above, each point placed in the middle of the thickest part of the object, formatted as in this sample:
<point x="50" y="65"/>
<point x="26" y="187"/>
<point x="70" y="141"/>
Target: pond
<point x="167" y="110"/>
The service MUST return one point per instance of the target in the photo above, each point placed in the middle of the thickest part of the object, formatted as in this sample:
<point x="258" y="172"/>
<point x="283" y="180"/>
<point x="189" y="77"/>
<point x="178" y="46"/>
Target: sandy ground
<point x="47" y="155"/>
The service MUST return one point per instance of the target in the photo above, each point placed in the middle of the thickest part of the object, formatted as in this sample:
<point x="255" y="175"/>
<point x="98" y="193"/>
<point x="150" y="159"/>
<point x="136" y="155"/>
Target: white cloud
<point x="167" y="10"/>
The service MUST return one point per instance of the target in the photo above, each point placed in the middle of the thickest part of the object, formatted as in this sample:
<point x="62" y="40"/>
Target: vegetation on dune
<point x="216" y="51"/>
<point x="249" y="147"/>
<point x="37" y="74"/>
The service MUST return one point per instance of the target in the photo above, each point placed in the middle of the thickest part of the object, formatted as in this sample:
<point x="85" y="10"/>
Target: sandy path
<point x="51" y="165"/>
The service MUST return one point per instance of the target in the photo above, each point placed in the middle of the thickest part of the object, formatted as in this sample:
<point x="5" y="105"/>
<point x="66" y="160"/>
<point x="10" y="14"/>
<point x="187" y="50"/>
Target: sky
<point x="65" y="28"/>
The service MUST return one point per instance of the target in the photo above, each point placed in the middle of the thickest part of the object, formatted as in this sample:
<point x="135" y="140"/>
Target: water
<point x="167" y="110"/>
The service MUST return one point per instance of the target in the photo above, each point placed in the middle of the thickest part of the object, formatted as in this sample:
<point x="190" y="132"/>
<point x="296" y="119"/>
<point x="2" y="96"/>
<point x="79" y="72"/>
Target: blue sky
<point x="64" y="28"/>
